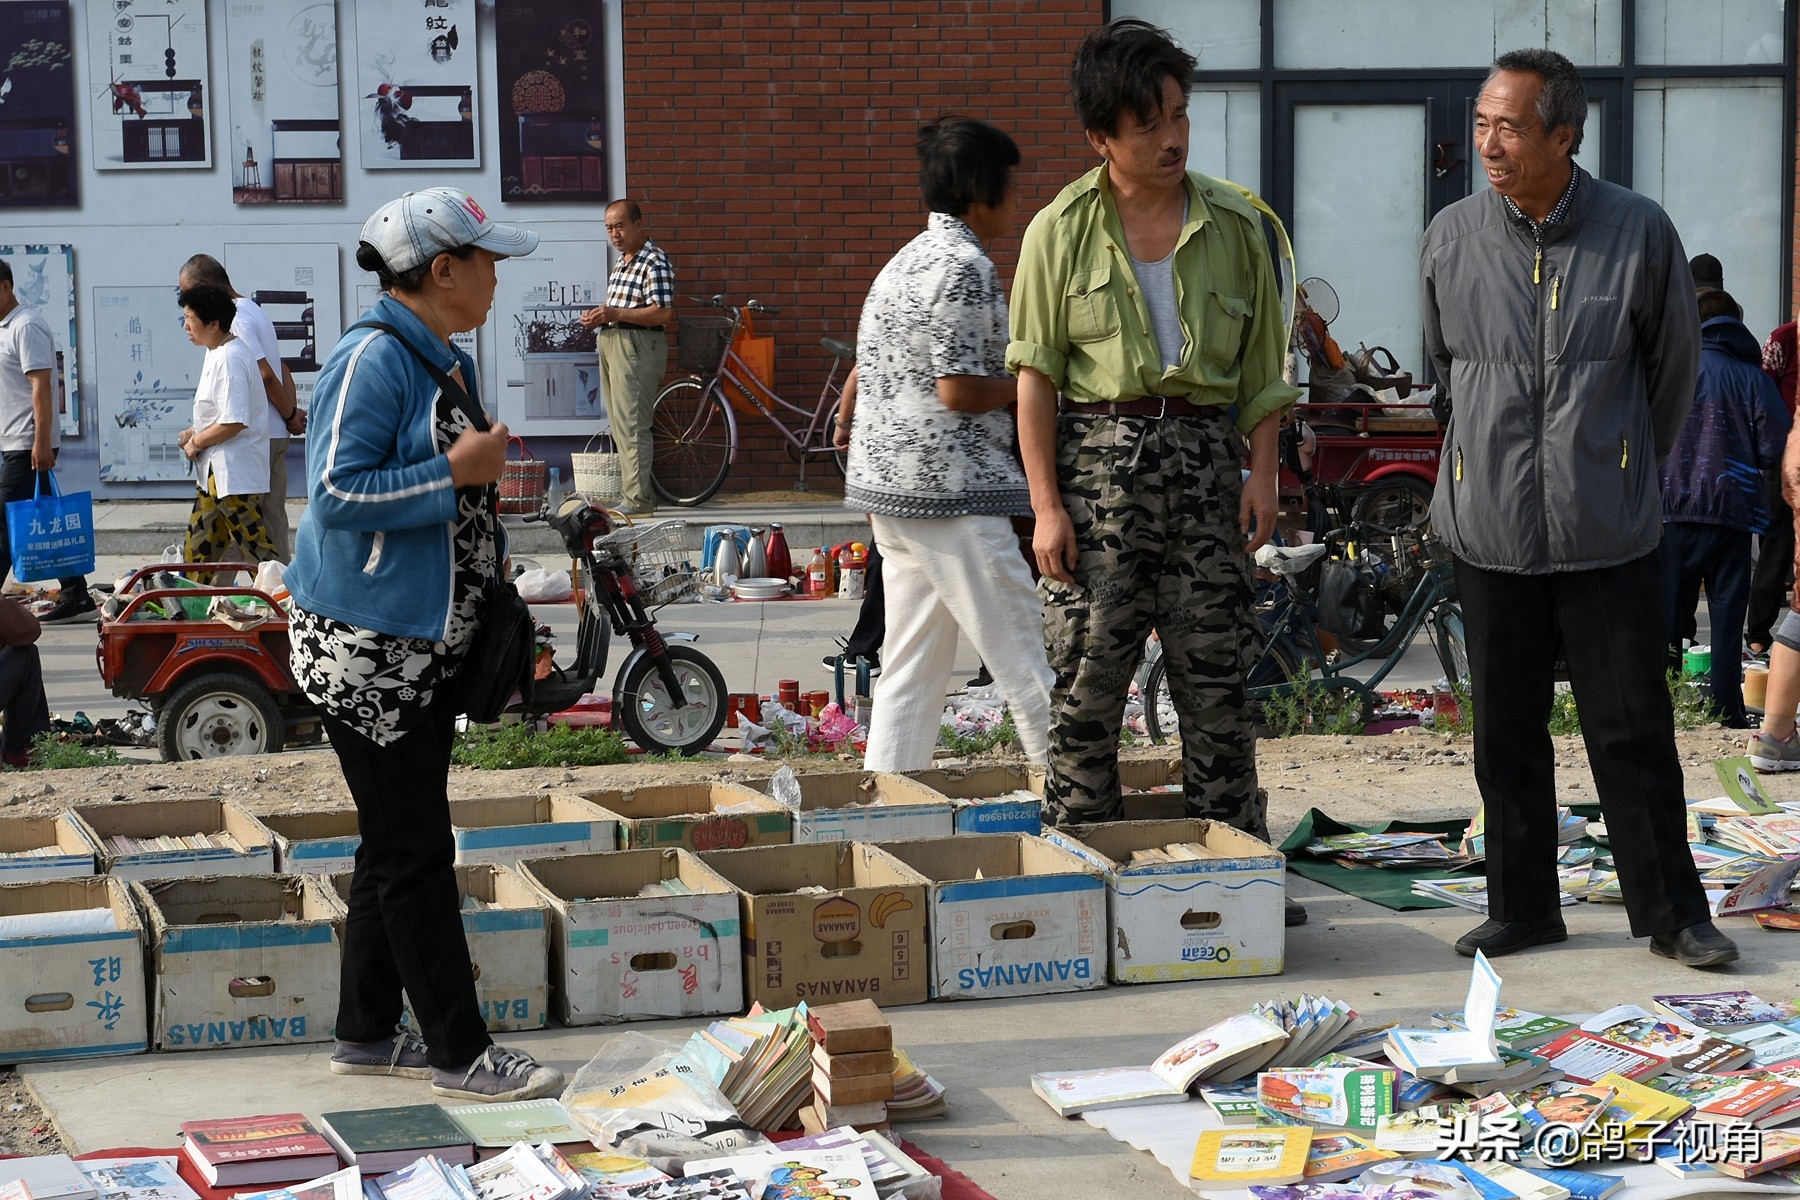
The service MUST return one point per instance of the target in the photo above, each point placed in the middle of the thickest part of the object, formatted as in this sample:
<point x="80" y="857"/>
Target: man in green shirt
<point x="1148" y="336"/>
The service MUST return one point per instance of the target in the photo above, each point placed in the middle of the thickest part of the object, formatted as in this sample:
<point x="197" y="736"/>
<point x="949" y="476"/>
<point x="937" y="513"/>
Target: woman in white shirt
<point x="228" y="442"/>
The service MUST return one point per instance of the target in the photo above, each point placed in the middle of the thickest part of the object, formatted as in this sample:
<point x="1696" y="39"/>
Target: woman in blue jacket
<point x="389" y="567"/>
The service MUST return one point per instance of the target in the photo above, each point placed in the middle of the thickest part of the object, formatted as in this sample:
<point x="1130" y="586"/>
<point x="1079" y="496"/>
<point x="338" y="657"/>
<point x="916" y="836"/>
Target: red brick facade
<point x="770" y="142"/>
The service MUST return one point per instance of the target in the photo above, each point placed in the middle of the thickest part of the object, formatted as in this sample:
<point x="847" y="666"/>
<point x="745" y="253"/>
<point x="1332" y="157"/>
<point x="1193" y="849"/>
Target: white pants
<point x="941" y="576"/>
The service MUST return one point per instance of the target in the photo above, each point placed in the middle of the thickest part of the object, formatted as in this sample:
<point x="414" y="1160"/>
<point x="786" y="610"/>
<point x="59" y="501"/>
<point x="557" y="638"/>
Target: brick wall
<point x="770" y="142"/>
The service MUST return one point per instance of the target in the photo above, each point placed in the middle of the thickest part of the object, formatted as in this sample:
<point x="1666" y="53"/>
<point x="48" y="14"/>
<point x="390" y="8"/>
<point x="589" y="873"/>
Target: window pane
<point x="1709" y="32"/>
<point x="1680" y="160"/>
<point x="1225" y="35"/>
<point x="1318" y="34"/>
<point x="1363" y="239"/>
<point x="1225" y="134"/>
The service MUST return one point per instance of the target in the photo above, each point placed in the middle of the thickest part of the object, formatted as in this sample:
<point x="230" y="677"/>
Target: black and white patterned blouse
<point x="381" y="684"/>
<point x="936" y="309"/>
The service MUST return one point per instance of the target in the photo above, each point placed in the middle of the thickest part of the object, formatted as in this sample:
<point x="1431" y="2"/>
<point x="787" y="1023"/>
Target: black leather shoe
<point x="1495" y="938"/>
<point x="1700" y="945"/>
<point x="1294" y="913"/>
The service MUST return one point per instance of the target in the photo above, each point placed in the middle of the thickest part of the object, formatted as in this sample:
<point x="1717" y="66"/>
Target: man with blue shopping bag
<point x="29" y="438"/>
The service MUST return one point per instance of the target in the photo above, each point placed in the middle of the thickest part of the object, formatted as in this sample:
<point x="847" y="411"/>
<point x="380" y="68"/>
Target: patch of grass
<point x="50" y="754"/>
<point x="1691" y="707"/>
<point x="1563" y="717"/>
<point x="512" y="747"/>
<point x="966" y="744"/>
<point x="1689" y="704"/>
<point x="1312" y="706"/>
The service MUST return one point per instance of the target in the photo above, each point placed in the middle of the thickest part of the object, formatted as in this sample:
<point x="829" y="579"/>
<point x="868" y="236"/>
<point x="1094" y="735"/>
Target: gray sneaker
<point x="402" y="1056"/>
<point x="499" y="1074"/>
<point x="1775" y="754"/>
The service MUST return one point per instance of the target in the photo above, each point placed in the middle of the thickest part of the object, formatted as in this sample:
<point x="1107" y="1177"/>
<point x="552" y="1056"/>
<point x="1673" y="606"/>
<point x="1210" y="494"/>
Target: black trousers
<point x="1693" y="554"/>
<point x="1610" y="625"/>
<point x="871" y="619"/>
<point x="1774" y="567"/>
<point x="405" y="929"/>
<point x="22" y="695"/>
<point x="19" y="482"/>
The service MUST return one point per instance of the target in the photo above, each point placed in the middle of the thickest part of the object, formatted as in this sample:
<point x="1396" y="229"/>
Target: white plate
<point x="770" y="591"/>
<point x="762" y="581"/>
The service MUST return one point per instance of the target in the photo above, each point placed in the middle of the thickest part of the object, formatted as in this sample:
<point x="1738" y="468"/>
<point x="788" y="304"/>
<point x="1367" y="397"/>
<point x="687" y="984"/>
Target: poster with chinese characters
<point x="547" y="368"/>
<point x="296" y="285"/>
<point x="147" y="370"/>
<point x="417" y="84"/>
<point x="148" y="85"/>
<point x="44" y="280"/>
<point x="37" y="105"/>
<point x="368" y="293"/>
<point x="282" y="68"/>
<point x="551" y="99"/>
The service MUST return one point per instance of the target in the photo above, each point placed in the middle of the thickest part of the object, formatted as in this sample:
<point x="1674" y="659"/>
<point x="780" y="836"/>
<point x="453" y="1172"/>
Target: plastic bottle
<point x="818" y="574"/>
<point x="780" y="562"/>
<point x="553" y="495"/>
<point x="850" y="574"/>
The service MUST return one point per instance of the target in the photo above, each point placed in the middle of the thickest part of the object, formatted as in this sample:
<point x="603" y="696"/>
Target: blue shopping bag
<point x="52" y="536"/>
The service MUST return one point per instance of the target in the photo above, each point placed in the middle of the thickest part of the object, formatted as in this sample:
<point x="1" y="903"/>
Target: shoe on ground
<point x="1775" y="754"/>
<point x="981" y="680"/>
<point x="1700" y="945"/>
<point x="1294" y="912"/>
<point x="75" y="609"/>
<point x="402" y="1056"/>
<point x="1495" y="938"/>
<point x="499" y="1074"/>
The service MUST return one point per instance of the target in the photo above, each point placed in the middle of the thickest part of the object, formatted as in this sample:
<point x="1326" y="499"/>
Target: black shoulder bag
<point x="500" y="657"/>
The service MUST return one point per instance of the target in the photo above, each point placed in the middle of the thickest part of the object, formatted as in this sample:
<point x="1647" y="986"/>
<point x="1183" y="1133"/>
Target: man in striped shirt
<point x="634" y="350"/>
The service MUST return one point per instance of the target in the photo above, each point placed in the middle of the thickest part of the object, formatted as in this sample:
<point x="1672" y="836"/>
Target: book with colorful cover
<point x="1240" y="1157"/>
<point x="1514" y="1028"/>
<point x="500" y="1125"/>
<point x="1687" y="1049"/>
<point x="1198" y="1056"/>
<point x="1421" y="1131"/>
<point x="1578" y="1106"/>
<point x="1409" y="1180"/>
<point x="1503" y="1181"/>
<point x="136" y="1179"/>
<point x="608" y="1174"/>
<point x="1584" y="1058"/>
<point x="16" y="1189"/>
<point x="1580" y="1185"/>
<point x="1308" y="1190"/>
<point x="1655" y="1105"/>
<point x="1746" y="1103"/>
<point x="1767" y="890"/>
<point x="1073" y="1092"/>
<point x="1234" y="1105"/>
<point x="1338" y="1097"/>
<point x="1780" y="1148"/>
<point x="1719" y="1010"/>
<point x="1768" y="1044"/>
<point x="269" y="1148"/>
<point x="1336" y="1156"/>
<point x="1739" y="778"/>
<point x="1429" y="1052"/>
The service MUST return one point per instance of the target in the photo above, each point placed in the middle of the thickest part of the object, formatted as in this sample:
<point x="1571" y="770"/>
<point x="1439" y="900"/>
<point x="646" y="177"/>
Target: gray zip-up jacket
<point x="1570" y="373"/>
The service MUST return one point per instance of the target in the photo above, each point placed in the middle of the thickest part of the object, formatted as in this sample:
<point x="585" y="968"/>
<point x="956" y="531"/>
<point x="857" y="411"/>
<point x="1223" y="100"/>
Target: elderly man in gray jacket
<point x="1561" y="318"/>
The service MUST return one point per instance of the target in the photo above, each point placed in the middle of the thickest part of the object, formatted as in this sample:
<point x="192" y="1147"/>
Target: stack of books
<point x="761" y="1061"/>
<point x="917" y="1096"/>
<point x="852" y="1067"/>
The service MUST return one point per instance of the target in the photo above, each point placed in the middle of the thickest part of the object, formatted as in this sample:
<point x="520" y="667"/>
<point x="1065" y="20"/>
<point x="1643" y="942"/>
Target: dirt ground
<point x="1413" y="773"/>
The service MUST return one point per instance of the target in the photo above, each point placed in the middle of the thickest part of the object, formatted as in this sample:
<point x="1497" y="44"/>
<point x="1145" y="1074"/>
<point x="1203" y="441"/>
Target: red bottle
<point x="775" y="549"/>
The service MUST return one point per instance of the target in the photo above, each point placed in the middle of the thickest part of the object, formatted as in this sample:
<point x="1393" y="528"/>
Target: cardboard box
<point x="63" y="850"/>
<point x="1205" y="919"/>
<point x="865" y="806"/>
<point x="696" y="817"/>
<point x="509" y="829"/>
<point x="322" y="842"/>
<point x="240" y="961"/>
<point x="617" y="955"/>
<point x="175" y="818"/>
<point x="1151" y="789"/>
<point x="1011" y="915"/>
<point x="71" y="995"/>
<point x="984" y="798"/>
<point x="508" y="932"/>
<point x="863" y="937"/>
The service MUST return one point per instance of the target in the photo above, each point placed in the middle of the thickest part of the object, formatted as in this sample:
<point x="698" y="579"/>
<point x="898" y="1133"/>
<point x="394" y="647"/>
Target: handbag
<point x="499" y="658"/>
<point x="52" y="536"/>
<point x="1350" y="599"/>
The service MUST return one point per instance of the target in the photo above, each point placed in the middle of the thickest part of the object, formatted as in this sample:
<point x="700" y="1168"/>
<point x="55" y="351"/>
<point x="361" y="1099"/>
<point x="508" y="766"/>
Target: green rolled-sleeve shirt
<point x="1078" y="314"/>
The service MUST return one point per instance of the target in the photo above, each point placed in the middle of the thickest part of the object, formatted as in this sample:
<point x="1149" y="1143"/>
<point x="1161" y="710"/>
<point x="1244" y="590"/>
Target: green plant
<point x="967" y="744"/>
<point x="511" y="747"/>
<point x="1690" y="705"/>
<point x="49" y="754"/>
<point x="1313" y="706"/>
<point x="1563" y="717"/>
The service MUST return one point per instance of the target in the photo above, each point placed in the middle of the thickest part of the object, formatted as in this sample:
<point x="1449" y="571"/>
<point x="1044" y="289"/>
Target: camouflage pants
<point x="1155" y="508"/>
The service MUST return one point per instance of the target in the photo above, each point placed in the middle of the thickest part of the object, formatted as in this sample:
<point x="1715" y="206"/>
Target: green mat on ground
<point x="1390" y="887"/>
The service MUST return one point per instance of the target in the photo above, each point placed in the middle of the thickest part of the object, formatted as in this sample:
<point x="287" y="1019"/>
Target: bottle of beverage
<point x="775" y="551"/>
<point x="818" y="574"/>
<point x="850" y="574"/>
<point x="553" y="495"/>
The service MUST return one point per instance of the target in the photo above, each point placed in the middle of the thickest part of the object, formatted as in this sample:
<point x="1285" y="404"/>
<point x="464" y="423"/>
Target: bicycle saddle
<point x="1289" y="560"/>
<point x="841" y="349"/>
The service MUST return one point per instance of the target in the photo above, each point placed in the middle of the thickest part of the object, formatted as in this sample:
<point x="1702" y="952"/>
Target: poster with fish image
<point x="37" y="105"/>
<point x="286" y="144"/>
<point x="417" y="84"/>
<point x="147" y="371"/>
<point x="148" y="90"/>
<point x="44" y="280"/>
<point x="547" y="365"/>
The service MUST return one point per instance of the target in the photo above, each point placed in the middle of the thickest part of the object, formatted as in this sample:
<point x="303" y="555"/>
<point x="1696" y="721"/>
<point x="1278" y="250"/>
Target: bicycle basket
<point x="702" y="343"/>
<point x="660" y="560"/>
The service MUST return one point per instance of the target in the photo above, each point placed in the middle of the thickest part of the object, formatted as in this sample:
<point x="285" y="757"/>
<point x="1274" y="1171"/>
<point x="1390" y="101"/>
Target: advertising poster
<point x="44" y="279"/>
<point x="282" y="68"/>
<point x="296" y="285"/>
<point x="147" y="371"/>
<point x="37" y="105"/>
<point x="547" y="366"/>
<point x="551" y="99"/>
<point x="417" y="84"/>
<point x="148" y="84"/>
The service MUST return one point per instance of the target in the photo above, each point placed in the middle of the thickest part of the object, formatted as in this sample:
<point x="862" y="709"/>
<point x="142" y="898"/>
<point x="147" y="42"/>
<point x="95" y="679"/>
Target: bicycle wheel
<point x="1162" y="722"/>
<point x="691" y="439"/>
<point x="1452" y="642"/>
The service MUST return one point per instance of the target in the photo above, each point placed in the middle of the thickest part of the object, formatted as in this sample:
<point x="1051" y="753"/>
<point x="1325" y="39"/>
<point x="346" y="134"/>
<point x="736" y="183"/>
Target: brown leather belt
<point x="1146" y="406"/>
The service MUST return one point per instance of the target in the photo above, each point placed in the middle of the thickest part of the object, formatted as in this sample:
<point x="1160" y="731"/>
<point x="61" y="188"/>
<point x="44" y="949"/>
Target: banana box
<point x="865" y="806"/>
<point x="828" y="921"/>
<point x="990" y="799"/>
<point x="1011" y="915"/>
<point x="1185" y="899"/>
<point x="320" y="842"/>
<point x="695" y="817"/>
<point x="508" y="829"/>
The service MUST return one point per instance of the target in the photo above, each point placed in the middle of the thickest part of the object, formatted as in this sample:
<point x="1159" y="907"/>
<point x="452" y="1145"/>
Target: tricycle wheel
<point x="218" y="716"/>
<point x="661" y="726"/>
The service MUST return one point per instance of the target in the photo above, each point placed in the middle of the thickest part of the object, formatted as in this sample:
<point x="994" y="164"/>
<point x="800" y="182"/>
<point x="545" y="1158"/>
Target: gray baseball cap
<point x="421" y="225"/>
